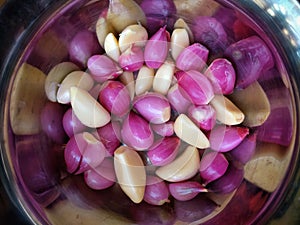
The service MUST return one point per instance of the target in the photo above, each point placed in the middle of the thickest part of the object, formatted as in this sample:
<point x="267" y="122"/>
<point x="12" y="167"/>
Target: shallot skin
<point x="156" y="49"/>
<point x="156" y="191"/>
<point x="210" y="32"/>
<point x="153" y="106"/>
<point x="103" y="68"/>
<point x="177" y="100"/>
<point x="193" y="57"/>
<point x="159" y="13"/>
<point x="110" y="136"/>
<point x="114" y="96"/>
<point x="51" y="121"/>
<point x="195" y="87"/>
<point x="83" y="45"/>
<point x="251" y="58"/>
<point x="204" y="116"/>
<point x="136" y="132"/>
<point x="164" y="129"/>
<point x="222" y="76"/>
<point x="225" y="138"/>
<point x="244" y="151"/>
<point x="83" y="152"/>
<point x="164" y="151"/>
<point x="187" y="190"/>
<point x="132" y="59"/>
<point x="213" y="166"/>
<point x="72" y="124"/>
<point x="101" y="177"/>
<point x="230" y="181"/>
<point x="158" y="7"/>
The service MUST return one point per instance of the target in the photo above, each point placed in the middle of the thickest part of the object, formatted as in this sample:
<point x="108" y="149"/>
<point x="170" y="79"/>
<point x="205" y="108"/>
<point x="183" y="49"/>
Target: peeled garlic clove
<point x="254" y="103"/>
<point x="144" y="80"/>
<point x="77" y="78"/>
<point x="103" y="28"/>
<point x="55" y="77"/>
<point x="187" y="131"/>
<point x="267" y="167"/>
<point x="179" y="41"/>
<point x="133" y="34"/>
<point x="226" y="112"/>
<point x="192" y="9"/>
<point x="181" y="24"/>
<point x="128" y="80"/>
<point x="27" y="100"/>
<point x="130" y="173"/>
<point x="87" y="109"/>
<point x="122" y="13"/>
<point x="182" y="168"/>
<point x="111" y="47"/>
<point x="163" y="78"/>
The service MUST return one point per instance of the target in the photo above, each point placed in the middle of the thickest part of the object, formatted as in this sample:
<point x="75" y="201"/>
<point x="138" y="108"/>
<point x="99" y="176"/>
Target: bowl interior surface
<point x="49" y="195"/>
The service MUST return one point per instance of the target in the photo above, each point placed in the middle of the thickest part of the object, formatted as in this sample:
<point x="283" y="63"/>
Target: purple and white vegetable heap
<point x="154" y="113"/>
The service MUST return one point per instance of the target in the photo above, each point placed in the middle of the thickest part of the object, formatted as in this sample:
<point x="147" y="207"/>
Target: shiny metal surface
<point x="280" y="21"/>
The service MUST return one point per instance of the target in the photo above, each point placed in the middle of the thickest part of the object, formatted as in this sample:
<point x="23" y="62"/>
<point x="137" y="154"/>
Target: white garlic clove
<point x="128" y="80"/>
<point x="187" y="131"/>
<point x="111" y="47"/>
<point x="254" y="103"/>
<point x="182" y="168"/>
<point x="103" y="28"/>
<point x="130" y="173"/>
<point x="181" y="24"/>
<point x="133" y="34"/>
<point x="144" y="80"/>
<point x="179" y="41"/>
<point x="55" y="77"/>
<point x="267" y="167"/>
<point x="122" y="13"/>
<point x="226" y="112"/>
<point x="27" y="100"/>
<point x="77" y="78"/>
<point x="87" y="109"/>
<point x="163" y="78"/>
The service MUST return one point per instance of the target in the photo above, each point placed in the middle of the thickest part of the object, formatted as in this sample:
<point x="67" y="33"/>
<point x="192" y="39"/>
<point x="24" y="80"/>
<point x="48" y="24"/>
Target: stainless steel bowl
<point x="37" y="32"/>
